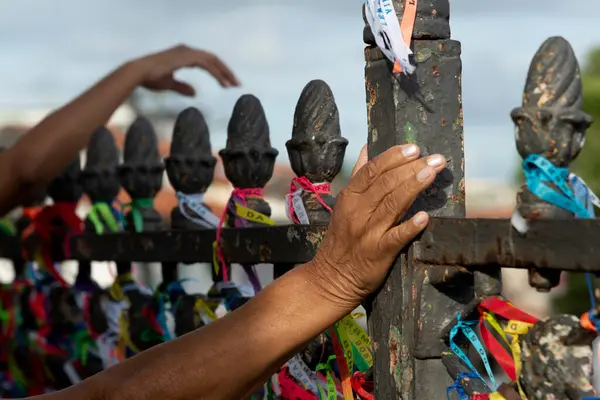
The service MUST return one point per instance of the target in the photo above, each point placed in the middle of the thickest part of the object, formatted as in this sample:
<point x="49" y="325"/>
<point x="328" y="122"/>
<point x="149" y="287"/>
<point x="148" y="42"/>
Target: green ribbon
<point x="270" y="392"/>
<point x="102" y="211"/>
<point x="82" y="341"/>
<point x="361" y="364"/>
<point x="136" y="215"/>
<point x="7" y="227"/>
<point x="331" y="389"/>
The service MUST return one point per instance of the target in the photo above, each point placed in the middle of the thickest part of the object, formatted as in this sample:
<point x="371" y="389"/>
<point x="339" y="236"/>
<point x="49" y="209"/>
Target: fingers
<point x="183" y="88"/>
<point x="398" y="189"/>
<point x="218" y="70"/>
<point x="391" y="180"/>
<point x="392" y="158"/>
<point x="362" y="160"/>
<point x="185" y="56"/>
<point x="399" y="236"/>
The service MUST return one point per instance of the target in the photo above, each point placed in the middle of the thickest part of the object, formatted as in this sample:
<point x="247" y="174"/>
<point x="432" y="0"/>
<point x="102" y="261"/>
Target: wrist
<point x="327" y="282"/>
<point x="134" y="70"/>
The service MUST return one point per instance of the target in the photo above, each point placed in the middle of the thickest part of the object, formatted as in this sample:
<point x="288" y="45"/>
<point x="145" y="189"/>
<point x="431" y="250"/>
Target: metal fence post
<point x="249" y="161"/>
<point x="407" y="314"/>
<point x="100" y="182"/>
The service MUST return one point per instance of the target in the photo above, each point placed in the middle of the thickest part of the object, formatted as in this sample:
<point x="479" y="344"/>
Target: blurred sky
<point x="51" y="50"/>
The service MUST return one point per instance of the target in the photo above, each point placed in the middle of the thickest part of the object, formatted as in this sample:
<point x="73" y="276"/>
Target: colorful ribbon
<point x="331" y="393"/>
<point x="195" y="202"/>
<point x="362" y="387"/>
<point x="295" y="209"/>
<point x="465" y="328"/>
<point x="244" y="218"/>
<point x="103" y="215"/>
<point x="135" y="207"/>
<point x="43" y="227"/>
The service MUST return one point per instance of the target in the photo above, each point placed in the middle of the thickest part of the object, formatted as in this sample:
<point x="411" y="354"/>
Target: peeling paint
<point x="410" y="131"/>
<point x="423" y="55"/>
<point x="394" y="346"/>
<point x="316" y="238"/>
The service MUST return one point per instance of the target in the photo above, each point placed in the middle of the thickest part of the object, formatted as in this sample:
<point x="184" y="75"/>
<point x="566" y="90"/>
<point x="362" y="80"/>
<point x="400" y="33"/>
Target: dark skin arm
<point x="230" y="358"/>
<point x="54" y="142"/>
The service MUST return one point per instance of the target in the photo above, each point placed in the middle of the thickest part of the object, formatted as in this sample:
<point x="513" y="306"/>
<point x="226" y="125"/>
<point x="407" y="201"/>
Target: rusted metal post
<point x="190" y="168"/>
<point x="141" y="175"/>
<point x="100" y="182"/>
<point x="248" y="160"/>
<point x="550" y="123"/>
<point x="316" y="152"/>
<point x="417" y="301"/>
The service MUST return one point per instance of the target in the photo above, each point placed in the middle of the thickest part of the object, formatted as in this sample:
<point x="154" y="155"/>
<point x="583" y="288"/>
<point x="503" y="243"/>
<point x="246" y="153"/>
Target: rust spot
<point x="394" y="346"/>
<point x="443" y="122"/>
<point x="436" y="72"/>
<point x="264" y="252"/>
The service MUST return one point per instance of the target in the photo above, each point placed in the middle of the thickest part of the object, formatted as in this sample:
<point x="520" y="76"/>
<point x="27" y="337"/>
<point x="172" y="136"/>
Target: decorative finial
<point x="248" y="157"/>
<point x="248" y="160"/>
<point x="190" y="168"/>
<point x="316" y="150"/>
<point x="550" y="123"/>
<point x="141" y="176"/>
<point x="101" y="183"/>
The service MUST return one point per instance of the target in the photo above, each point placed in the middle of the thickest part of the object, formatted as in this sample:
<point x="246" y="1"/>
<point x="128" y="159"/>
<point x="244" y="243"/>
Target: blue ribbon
<point x="465" y="327"/>
<point x="539" y="172"/>
<point x="462" y="395"/>
<point x="580" y="200"/>
<point x="161" y="316"/>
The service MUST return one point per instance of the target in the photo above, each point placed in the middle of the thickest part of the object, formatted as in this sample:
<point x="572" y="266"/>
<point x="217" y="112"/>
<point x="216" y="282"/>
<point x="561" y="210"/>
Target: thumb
<point x="363" y="158"/>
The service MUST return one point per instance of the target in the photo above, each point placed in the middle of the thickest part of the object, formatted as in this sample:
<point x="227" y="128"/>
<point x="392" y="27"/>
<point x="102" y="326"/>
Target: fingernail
<point x="410" y="150"/>
<point x="420" y="219"/>
<point x="435" y="160"/>
<point x="424" y="174"/>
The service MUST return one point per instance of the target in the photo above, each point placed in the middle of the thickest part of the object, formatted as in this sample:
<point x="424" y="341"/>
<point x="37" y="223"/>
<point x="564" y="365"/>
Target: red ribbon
<point x="506" y="310"/>
<point x="306" y="185"/>
<point x="290" y="390"/>
<point x="43" y="228"/>
<point x="481" y="396"/>
<point x="362" y="387"/>
<point x="243" y="195"/>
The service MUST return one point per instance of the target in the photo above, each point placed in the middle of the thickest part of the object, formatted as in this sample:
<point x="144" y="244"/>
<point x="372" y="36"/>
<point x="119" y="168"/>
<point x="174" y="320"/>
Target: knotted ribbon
<point x="103" y="215"/>
<point x="295" y="207"/>
<point x="465" y="328"/>
<point x="244" y="218"/>
<point x="135" y="207"/>
<point x="462" y="395"/>
<point x="42" y="226"/>
<point x="195" y="202"/>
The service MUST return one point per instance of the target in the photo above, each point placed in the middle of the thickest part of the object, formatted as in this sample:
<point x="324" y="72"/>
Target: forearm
<point x="48" y="147"/>
<point x="253" y="342"/>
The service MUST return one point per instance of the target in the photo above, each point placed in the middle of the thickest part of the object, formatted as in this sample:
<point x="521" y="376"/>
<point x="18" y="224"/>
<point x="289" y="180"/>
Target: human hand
<point x="364" y="238"/>
<point x="157" y="69"/>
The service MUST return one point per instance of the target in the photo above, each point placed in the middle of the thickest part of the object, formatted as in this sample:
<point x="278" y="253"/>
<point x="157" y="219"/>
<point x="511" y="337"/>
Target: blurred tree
<point x="575" y="299"/>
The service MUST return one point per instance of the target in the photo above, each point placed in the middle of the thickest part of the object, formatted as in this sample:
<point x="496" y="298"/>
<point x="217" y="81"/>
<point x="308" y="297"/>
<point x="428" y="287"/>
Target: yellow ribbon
<point x="346" y="345"/>
<point x="513" y="328"/>
<point x="252" y="216"/>
<point x="358" y="336"/>
<point x="202" y="306"/>
<point x="115" y="291"/>
<point x="124" y="333"/>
